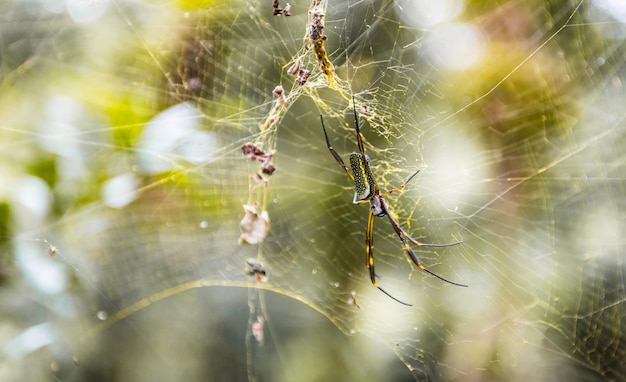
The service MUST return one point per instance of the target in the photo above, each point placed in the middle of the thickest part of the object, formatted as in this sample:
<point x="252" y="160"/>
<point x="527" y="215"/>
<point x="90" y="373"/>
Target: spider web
<point x="122" y="129"/>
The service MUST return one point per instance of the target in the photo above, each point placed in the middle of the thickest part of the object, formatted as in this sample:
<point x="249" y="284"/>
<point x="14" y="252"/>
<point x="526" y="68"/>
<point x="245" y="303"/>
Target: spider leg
<point x="420" y="244"/>
<point x="334" y="153"/>
<point x="359" y="139"/>
<point x="369" y="245"/>
<point x="403" y="237"/>
<point x="369" y="256"/>
<point x="411" y="239"/>
<point x="400" y="187"/>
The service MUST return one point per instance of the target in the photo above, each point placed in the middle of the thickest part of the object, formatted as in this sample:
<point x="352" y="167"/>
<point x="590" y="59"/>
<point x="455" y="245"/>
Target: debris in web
<point x="301" y="74"/>
<point x="295" y="68"/>
<point x="315" y="35"/>
<point x="256" y="268"/>
<point x="256" y="153"/>
<point x="254" y="225"/>
<point x="281" y="100"/>
<point x="267" y="168"/>
<point x="52" y="250"/>
<point x="280" y="93"/>
<point x="257" y="330"/>
<point x="281" y="11"/>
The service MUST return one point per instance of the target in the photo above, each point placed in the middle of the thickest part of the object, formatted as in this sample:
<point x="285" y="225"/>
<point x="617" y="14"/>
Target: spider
<point x="367" y="191"/>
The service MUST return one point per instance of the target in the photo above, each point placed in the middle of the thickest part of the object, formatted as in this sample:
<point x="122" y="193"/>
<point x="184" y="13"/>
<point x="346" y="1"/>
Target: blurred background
<point x="138" y="241"/>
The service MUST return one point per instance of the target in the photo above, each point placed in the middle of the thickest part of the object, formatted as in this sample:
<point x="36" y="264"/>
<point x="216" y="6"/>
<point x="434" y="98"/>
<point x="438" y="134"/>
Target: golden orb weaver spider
<point x="367" y="191"/>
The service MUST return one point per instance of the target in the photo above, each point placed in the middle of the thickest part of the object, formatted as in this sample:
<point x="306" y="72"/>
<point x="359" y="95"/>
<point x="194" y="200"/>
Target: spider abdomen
<point x="363" y="181"/>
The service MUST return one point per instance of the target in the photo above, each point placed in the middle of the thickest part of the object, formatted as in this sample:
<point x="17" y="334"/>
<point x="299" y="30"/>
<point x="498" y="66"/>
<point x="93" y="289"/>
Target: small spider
<point x="367" y="191"/>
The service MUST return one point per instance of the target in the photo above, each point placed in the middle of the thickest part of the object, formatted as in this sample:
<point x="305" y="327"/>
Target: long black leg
<point x="420" y="244"/>
<point x="369" y="256"/>
<point x="359" y="139"/>
<point x="334" y="153"/>
<point x="409" y="237"/>
<point x="400" y="187"/>
<point x="403" y="237"/>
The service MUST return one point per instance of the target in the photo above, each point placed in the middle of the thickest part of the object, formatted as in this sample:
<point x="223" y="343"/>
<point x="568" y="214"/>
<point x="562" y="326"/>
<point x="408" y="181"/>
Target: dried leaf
<point x="254" y="226"/>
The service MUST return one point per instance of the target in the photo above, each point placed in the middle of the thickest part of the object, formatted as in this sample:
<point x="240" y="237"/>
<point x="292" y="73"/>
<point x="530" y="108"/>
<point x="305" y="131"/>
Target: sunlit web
<point x="128" y="161"/>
